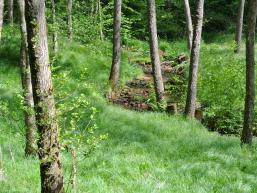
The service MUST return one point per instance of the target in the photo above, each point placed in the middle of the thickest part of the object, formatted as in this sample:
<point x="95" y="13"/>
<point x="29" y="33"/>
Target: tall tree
<point x="55" y="33"/>
<point x="247" y="133"/>
<point x="154" y="51"/>
<point x="100" y="20"/>
<point x="239" y="26"/>
<point x="69" y="11"/>
<point x="189" y="24"/>
<point x="46" y="118"/>
<point x="30" y="121"/>
<point x="115" y="70"/>
<point x="194" y="60"/>
<point x="1" y="17"/>
<point x="10" y="11"/>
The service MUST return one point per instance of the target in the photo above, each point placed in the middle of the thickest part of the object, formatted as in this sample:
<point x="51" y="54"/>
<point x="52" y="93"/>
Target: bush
<point x="222" y="87"/>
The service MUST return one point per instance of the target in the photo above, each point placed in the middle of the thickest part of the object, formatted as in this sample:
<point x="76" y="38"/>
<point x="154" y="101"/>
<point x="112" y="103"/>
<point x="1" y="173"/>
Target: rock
<point x="181" y="58"/>
<point x="199" y="114"/>
<point x="144" y="106"/>
<point x="172" y="108"/>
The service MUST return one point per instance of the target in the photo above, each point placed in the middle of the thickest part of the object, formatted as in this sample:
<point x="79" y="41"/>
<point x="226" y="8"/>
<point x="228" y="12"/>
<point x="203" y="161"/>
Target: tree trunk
<point x="46" y="119"/>
<point x="100" y="20"/>
<point x="10" y="11"/>
<point x="55" y="33"/>
<point x="69" y="10"/>
<point x="239" y="26"/>
<point x="115" y="70"/>
<point x="188" y="24"/>
<point x="1" y="17"/>
<point x="155" y="58"/>
<point x="194" y="61"/>
<point x="247" y="133"/>
<point x="30" y="121"/>
<point x="74" y="170"/>
<point x="92" y="8"/>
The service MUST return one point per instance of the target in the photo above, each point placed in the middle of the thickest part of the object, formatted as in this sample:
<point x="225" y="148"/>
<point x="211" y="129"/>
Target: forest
<point x="128" y="96"/>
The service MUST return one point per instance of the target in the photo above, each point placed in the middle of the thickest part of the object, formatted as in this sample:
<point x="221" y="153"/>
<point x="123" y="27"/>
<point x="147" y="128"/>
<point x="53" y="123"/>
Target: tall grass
<point x="145" y="152"/>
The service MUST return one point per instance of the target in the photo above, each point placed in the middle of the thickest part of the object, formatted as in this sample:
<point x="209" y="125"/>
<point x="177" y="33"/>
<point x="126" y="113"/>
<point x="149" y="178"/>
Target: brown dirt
<point x="135" y="95"/>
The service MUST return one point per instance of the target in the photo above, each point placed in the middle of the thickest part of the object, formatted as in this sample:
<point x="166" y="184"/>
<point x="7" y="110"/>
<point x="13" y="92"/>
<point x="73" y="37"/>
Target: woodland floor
<point x="145" y="151"/>
<point x="137" y="92"/>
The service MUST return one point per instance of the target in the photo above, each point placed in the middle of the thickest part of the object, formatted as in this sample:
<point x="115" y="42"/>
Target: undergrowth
<point x="144" y="152"/>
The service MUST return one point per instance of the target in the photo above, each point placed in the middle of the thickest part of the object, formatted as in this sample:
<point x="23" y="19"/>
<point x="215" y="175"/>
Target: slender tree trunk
<point x="48" y="145"/>
<point x="247" y="134"/>
<point x="155" y="58"/>
<point x="10" y="11"/>
<point x="100" y="20"/>
<point x="30" y="120"/>
<point x="92" y="8"/>
<point x="74" y="170"/>
<point x="188" y="24"/>
<point x="194" y="60"/>
<point x="115" y="70"/>
<point x="69" y="10"/>
<point x="55" y="33"/>
<point x="1" y="17"/>
<point x="239" y="26"/>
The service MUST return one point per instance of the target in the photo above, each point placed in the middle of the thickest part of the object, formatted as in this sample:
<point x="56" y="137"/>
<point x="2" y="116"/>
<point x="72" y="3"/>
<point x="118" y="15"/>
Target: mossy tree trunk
<point x="30" y="121"/>
<point x="239" y="26"/>
<point x="48" y="145"/>
<point x="194" y="60"/>
<point x="247" y="133"/>
<point x="115" y="70"/>
<point x="154" y="52"/>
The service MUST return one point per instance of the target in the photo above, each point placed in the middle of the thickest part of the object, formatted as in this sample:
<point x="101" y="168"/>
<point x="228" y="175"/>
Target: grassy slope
<point x="145" y="152"/>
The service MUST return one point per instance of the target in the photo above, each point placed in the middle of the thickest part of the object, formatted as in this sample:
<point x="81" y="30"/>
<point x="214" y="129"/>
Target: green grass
<point x="145" y="152"/>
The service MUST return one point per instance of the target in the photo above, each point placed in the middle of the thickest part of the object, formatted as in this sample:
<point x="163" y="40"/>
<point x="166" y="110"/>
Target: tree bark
<point x="247" y="133"/>
<point x="55" y="33"/>
<point x="239" y="26"/>
<point x="10" y="11"/>
<point x="154" y="51"/>
<point x="115" y="70"/>
<point x="30" y="121"/>
<point x="1" y="17"/>
<point x="46" y="119"/>
<point x="74" y="170"/>
<point x="92" y="8"/>
<point x="188" y="24"/>
<point x="69" y="10"/>
<point x="194" y="61"/>
<point x="100" y="20"/>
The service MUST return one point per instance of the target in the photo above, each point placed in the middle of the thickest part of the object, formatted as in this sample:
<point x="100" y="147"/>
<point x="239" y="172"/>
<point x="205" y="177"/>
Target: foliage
<point x="222" y="86"/>
<point x="76" y="115"/>
<point x="144" y="151"/>
<point x="220" y="15"/>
